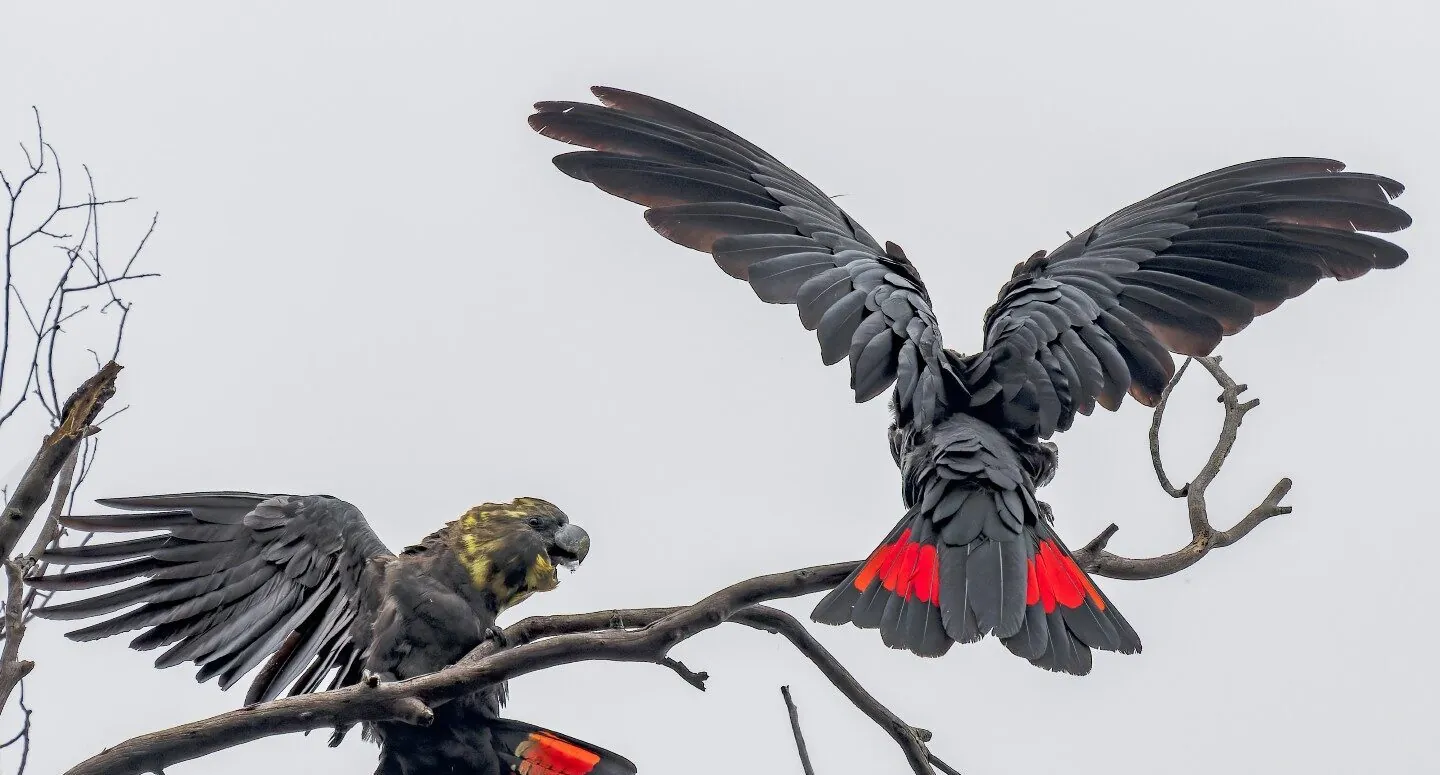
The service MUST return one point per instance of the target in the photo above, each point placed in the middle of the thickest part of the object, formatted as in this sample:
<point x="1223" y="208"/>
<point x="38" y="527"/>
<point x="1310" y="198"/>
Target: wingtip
<point x="607" y="94"/>
<point x="573" y="164"/>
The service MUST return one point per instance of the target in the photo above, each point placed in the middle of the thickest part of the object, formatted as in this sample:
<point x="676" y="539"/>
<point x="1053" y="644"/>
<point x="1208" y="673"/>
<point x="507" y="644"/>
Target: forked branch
<point x="1204" y="536"/>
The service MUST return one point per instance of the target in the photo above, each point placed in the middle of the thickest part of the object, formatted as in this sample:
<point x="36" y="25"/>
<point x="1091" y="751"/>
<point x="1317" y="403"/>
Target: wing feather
<point x="233" y="578"/>
<point x="1174" y="273"/>
<point x="713" y="191"/>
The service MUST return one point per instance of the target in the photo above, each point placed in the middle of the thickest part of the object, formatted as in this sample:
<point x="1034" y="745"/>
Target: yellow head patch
<point x="492" y="540"/>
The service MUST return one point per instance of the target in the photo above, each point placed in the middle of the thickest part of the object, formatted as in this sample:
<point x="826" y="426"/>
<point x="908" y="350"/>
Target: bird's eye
<point x="534" y="522"/>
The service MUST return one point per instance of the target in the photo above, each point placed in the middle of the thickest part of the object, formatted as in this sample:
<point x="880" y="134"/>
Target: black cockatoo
<point x="1083" y="325"/>
<point x="236" y="577"/>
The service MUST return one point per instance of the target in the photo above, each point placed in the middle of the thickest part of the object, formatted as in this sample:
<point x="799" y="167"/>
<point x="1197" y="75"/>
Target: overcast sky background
<point x="376" y="286"/>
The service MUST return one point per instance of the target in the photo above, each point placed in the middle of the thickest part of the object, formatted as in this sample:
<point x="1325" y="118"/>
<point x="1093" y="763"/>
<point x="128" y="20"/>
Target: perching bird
<point x="1095" y="319"/>
<point x="236" y="577"/>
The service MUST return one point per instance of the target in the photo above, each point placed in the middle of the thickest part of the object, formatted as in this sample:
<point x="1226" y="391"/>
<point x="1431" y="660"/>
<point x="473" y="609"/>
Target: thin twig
<point x="109" y="281"/>
<point x="942" y="766"/>
<point x="800" y="748"/>
<point x="23" y="736"/>
<point x="912" y="740"/>
<point x="689" y="676"/>
<point x="79" y="242"/>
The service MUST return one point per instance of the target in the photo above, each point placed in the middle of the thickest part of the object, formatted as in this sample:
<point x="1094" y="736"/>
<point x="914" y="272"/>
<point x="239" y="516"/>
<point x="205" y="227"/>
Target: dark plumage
<point x="1086" y="324"/>
<point x="234" y="578"/>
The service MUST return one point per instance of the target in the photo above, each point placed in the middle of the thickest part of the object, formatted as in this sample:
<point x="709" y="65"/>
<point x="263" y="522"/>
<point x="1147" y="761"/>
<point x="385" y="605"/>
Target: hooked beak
<point x="571" y="545"/>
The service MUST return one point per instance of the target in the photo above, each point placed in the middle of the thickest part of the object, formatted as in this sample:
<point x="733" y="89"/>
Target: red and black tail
<point x="1066" y="614"/>
<point x="897" y="589"/>
<point x="529" y="750"/>
<point x="924" y="591"/>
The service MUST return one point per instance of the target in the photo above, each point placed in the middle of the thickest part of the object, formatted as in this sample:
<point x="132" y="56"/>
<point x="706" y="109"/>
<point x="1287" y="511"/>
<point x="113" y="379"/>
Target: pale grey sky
<point x="378" y="287"/>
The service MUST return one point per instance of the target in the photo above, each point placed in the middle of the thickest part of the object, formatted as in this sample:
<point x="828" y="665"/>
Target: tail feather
<point x="896" y="589"/>
<point x="924" y="594"/>
<point x="1066" y="614"/>
<point x="855" y="599"/>
<point x="530" y="750"/>
<point x="993" y="584"/>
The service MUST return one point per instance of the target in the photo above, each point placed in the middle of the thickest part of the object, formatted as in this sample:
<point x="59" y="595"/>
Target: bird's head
<point x="514" y="548"/>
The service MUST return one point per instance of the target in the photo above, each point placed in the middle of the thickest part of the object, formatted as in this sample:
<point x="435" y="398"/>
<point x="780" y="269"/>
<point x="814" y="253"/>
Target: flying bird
<point x="235" y="577"/>
<point x="1083" y="325"/>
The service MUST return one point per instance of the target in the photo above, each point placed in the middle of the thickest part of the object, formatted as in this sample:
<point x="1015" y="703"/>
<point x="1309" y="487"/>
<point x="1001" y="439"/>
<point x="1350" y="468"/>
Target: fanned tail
<point x="924" y="593"/>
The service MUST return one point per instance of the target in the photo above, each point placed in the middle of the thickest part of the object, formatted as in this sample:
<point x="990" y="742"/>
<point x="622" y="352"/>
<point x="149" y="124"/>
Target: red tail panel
<point x="1066" y="615"/>
<point x="545" y="754"/>
<point x="529" y="750"/>
<point x="1054" y="578"/>
<point x="897" y="589"/>
<point x="906" y="568"/>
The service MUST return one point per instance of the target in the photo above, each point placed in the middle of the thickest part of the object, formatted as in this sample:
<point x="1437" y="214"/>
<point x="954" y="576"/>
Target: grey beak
<point x="573" y="540"/>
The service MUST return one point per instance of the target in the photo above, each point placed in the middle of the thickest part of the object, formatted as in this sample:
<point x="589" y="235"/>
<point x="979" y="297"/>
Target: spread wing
<point x="711" y="190"/>
<point x="1098" y="317"/>
<point x="231" y="578"/>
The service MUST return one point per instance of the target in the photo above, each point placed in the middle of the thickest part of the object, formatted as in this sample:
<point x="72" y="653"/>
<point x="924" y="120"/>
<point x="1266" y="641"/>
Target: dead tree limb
<point x="64" y="483"/>
<point x="13" y="669"/>
<point x="76" y="422"/>
<point x="794" y="712"/>
<point x="1204" y="536"/>
<point x="576" y="638"/>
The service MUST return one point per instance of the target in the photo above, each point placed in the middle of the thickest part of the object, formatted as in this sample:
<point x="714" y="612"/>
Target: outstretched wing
<point x="711" y="190"/>
<point x="1098" y="317"/>
<point x="232" y="578"/>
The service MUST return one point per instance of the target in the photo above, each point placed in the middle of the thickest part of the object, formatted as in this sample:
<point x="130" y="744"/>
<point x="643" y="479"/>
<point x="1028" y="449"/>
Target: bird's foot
<point x="497" y="634"/>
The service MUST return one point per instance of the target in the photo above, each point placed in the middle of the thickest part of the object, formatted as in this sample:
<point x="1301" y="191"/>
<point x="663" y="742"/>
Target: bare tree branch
<point x="1203" y="534"/>
<point x="12" y="668"/>
<point x="687" y="675"/>
<point x="1155" y="420"/>
<point x="800" y="748"/>
<point x="51" y="531"/>
<point x="17" y="601"/>
<point x="942" y="766"/>
<point x="79" y="281"/>
<point x="64" y="482"/>
<point x="76" y="419"/>
<point x="573" y="638"/>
